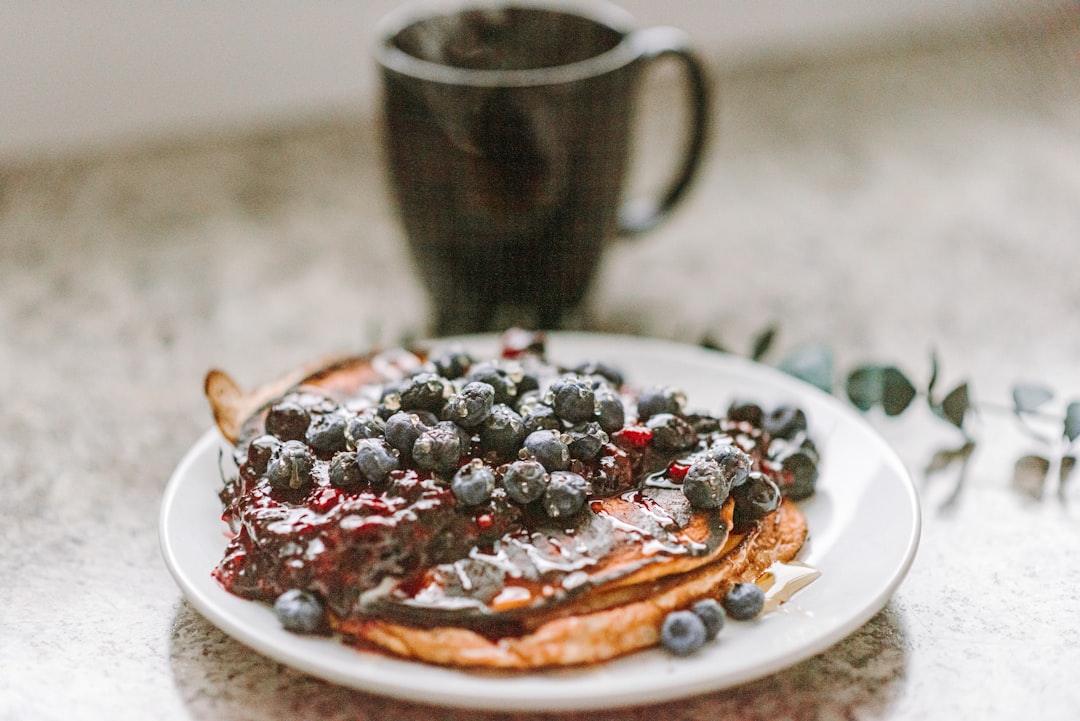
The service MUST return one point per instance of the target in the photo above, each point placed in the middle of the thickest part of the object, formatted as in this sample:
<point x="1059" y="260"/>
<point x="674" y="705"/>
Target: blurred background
<point x="858" y="148"/>
<point x="230" y="152"/>
<point x="78" y="74"/>
<point x="884" y="177"/>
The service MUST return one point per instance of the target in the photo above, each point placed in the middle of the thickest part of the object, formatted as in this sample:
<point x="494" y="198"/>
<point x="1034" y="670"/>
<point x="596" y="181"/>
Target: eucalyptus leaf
<point x="1029" y="475"/>
<point x="945" y="457"/>
<point x="1072" y="421"/>
<point x="865" y="386"/>
<point x="763" y="342"/>
<point x="1028" y="397"/>
<point x="811" y="363"/>
<point x="897" y="391"/>
<point x="1068" y="465"/>
<point x="955" y="405"/>
<point x="711" y="343"/>
<point x="940" y="461"/>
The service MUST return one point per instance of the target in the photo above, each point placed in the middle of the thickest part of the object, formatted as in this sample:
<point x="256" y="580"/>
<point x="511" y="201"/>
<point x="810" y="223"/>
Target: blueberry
<point x="540" y="418"/>
<point x="300" y="612"/>
<point x="573" y="398"/>
<point x="496" y="377"/>
<point x="744" y="412"/>
<point x="683" y="633"/>
<point x="424" y="392"/>
<point x="290" y="466"/>
<point x="526" y="381"/>
<point x="389" y="400"/>
<point x="671" y="433"/>
<point x="548" y="448"/>
<point x="288" y="420"/>
<point x="706" y="485"/>
<point x="755" y="499"/>
<point x="465" y="437"/>
<point x="503" y="431"/>
<point x="344" y="472"/>
<point x="402" y="429"/>
<point x="807" y="446"/>
<point x="367" y="424"/>
<point x="744" y="601"/>
<point x="610" y="412"/>
<point x="438" y="449"/>
<point x="376" y="459"/>
<point x="473" y="483"/>
<point x="565" y="494"/>
<point x="586" y="440"/>
<point x="711" y="614"/>
<point x="659" y="399"/>
<point x="597" y="368"/>
<point x="326" y="434"/>
<point x="428" y="418"/>
<point x="259" y="452"/>
<point x="470" y="406"/>
<point x="804" y="474"/>
<point x="785" y="421"/>
<point x="779" y="448"/>
<point x="525" y="481"/>
<point x="525" y="402"/>
<point x="734" y="461"/>
<point x="452" y="363"/>
<point x="702" y="423"/>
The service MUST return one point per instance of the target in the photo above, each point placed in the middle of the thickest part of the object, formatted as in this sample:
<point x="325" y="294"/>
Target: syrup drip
<point x="781" y="581"/>
<point x="660" y="479"/>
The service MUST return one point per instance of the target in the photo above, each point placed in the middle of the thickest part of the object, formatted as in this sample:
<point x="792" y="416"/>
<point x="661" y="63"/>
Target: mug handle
<point x="639" y="214"/>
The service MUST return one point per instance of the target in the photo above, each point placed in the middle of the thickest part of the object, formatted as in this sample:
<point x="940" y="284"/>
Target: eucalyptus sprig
<point x="886" y="386"/>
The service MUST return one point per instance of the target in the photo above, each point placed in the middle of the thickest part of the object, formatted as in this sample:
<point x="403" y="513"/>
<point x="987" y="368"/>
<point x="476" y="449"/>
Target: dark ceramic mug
<point x="507" y="132"/>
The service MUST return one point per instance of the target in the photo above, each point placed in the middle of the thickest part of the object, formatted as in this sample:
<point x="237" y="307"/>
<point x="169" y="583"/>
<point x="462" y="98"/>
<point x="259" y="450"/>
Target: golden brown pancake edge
<point x="592" y="637"/>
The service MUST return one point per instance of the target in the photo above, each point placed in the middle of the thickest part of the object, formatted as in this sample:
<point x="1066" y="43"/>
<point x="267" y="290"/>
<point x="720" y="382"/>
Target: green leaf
<point x="710" y="343"/>
<point x="865" y="386"/>
<point x="955" y="405"/>
<point x="945" y="457"/>
<point x="811" y="363"/>
<point x="897" y="391"/>
<point x="1068" y="465"/>
<point x="1072" y="421"/>
<point x="871" y="385"/>
<point x="1027" y="397"/>
<point x="1029" y="475"/>
<point x="763" y="342"/>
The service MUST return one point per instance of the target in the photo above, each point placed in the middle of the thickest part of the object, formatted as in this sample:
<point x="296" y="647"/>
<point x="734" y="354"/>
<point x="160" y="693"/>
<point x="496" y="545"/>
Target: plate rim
<point x="211" y="440"/>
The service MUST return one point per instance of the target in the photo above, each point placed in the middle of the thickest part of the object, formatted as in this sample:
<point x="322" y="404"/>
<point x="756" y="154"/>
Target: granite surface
<point x="924" y="197"/>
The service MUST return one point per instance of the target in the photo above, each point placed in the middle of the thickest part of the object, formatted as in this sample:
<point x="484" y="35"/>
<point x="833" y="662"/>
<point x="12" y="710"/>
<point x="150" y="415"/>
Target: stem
<point x="1011" y="409"/>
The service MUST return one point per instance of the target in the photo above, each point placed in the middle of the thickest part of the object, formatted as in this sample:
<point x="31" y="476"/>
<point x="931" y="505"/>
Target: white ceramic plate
<point x="864" y="528"/>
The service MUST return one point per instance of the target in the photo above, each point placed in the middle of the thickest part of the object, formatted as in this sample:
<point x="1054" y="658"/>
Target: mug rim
<point x="600" y="12"/>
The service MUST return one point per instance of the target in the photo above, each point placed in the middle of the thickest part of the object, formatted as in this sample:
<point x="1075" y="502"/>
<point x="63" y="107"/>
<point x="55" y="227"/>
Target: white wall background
<point x="77" y="74"/>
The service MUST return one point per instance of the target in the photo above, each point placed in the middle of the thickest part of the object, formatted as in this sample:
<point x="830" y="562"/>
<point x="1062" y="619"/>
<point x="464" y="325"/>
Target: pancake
<point x="583" y="636"/>
<point x="407" y="564"/>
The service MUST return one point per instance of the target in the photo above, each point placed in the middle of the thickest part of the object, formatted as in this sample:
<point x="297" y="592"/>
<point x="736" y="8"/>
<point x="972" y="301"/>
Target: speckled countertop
<point x="926" y="196"/>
